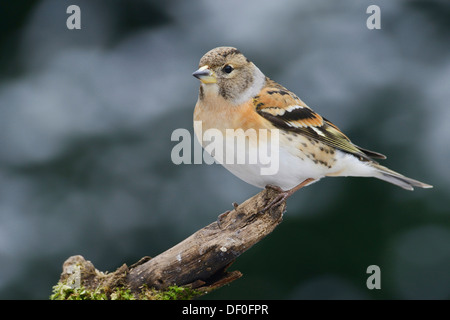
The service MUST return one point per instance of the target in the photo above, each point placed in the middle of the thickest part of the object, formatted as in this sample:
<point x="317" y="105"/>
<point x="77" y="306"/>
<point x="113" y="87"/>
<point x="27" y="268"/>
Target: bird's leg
<point x="283" y="195"/>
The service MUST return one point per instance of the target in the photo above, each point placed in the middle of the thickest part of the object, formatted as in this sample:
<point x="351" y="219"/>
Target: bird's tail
<point x="398" y="179"/>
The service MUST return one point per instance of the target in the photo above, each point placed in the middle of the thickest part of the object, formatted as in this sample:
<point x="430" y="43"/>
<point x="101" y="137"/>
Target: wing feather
<point x="287" y="112"/>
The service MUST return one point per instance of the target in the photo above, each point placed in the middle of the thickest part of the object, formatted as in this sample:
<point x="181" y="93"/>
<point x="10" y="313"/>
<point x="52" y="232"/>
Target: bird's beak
<point x="205" y="75"/>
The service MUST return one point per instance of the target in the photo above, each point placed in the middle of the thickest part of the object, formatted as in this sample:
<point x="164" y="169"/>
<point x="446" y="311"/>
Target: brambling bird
<point x="235" y="94"/>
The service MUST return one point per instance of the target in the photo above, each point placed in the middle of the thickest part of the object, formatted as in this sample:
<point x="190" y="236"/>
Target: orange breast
<point x="223" y="115"/>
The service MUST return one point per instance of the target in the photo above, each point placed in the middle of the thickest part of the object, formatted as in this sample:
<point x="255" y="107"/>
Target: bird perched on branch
<point x="235" y="94"/>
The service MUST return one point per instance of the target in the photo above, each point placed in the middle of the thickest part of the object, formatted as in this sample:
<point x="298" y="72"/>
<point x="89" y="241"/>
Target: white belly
<point x="295" y="159"/>
<point x="290" y="172"/>
<point x="256" y="164"/>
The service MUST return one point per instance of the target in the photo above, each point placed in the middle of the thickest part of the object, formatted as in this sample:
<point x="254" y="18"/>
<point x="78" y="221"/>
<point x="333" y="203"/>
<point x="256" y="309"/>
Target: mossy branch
<point x="193" y="267"/>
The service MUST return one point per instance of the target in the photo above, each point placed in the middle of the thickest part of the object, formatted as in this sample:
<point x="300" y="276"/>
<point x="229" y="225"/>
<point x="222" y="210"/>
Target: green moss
<point x="65" y="292"/>
<point x="122" y="294"/>
<point x="172" y="293"/>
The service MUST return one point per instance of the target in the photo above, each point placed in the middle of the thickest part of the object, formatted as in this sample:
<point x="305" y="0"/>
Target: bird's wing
<point x="287" y="112"/>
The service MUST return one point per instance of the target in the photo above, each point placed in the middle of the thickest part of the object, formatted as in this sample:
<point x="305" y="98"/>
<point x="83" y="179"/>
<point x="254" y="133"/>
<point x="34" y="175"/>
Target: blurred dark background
<point x="86" y="118"/>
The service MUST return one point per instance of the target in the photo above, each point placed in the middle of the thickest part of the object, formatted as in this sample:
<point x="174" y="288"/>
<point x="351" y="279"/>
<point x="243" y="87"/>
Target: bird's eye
<point x="227" y="69"/>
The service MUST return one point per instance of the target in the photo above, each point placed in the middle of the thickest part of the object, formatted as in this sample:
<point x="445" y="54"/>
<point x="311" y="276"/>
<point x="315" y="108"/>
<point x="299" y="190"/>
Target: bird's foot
<point x="283" y="195"/>
<point x="279" y="198"/>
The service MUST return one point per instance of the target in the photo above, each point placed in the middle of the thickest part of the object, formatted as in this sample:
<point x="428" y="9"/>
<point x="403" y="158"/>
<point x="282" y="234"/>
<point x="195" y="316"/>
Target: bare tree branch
<point x="200" y="261"/>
